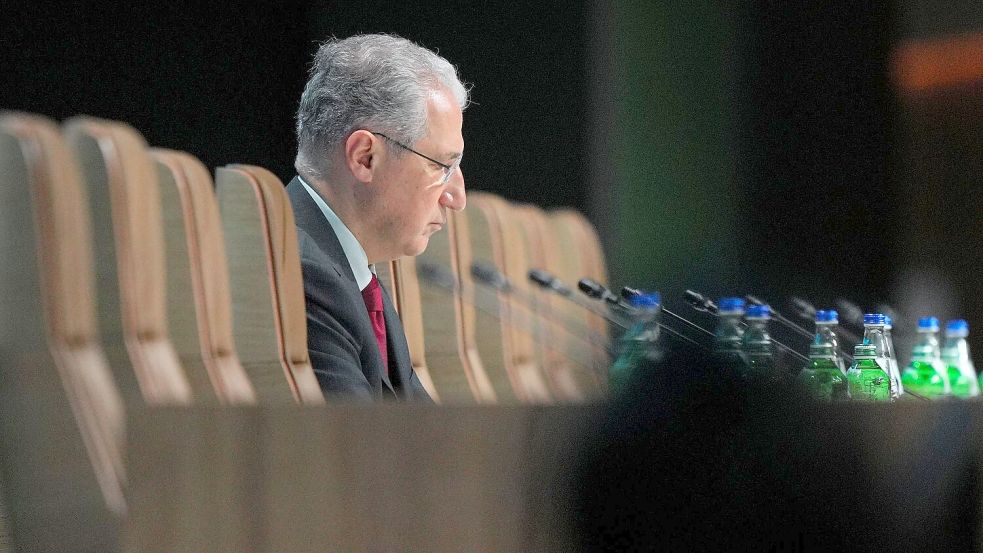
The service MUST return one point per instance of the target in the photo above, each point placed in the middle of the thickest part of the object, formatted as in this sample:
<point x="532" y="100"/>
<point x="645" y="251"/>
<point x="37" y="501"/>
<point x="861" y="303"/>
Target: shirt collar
<point x="353" y="250"/>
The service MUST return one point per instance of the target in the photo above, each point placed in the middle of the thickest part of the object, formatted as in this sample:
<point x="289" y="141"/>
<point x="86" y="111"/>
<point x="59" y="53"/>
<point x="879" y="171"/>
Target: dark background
<point x="730" y="147"/>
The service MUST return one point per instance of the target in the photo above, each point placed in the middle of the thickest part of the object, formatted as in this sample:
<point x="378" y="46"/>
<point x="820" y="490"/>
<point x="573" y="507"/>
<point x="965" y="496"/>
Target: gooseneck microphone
<point x="445" y="279"/>
<point x="781" y="319"/>
<point x="549" y="282"/>
<point x="487" y="275"/>
<point x="627" y="293"/>
<point x="699" y="302"/>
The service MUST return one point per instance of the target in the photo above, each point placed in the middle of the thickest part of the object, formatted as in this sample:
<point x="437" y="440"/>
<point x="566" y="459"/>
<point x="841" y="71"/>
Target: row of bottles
<point x="742" y="340"/>
<point x="874" y="375"/>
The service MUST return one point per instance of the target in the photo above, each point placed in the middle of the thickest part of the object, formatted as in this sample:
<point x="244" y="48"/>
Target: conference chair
<point x="400" y="278"/>
<point x="593" y="266"/>
<point x="199" y="310"/>
<point x="60" y="410"/>
<point x="454" y="364"/>
<point x="269" y="322"/>
<point x="478" y="240"/>
<point x="554" y="337"/>
<point x="124" y="204"/>
<point x="524" y="327"/>
<point x="589" y="345"/>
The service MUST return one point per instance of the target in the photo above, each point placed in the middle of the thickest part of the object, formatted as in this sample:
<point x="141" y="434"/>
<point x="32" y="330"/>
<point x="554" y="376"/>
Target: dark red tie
<point x="372" y="296"/>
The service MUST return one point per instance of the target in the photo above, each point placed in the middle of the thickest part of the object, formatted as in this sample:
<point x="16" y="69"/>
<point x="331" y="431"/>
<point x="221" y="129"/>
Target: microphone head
<point x="752" y="300"/>
<point x="699" y="302"/>
<point x="591" y="288"/>
<point x="542" y="278"/>
<point x="549" y="282"/>
<point x="805" y="309"/>
<point x="627" y="292"/>
<point x="435" y="274"/>
<point x="850" y="312"/>
<point x="490" y="276"/>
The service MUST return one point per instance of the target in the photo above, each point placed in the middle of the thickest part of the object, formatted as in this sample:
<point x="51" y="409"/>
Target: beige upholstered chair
<point x="124" y="201"/>
<point x="479" y="240"/>
<point x="454" y="364"/>
<point x="62" y="415"/>
<point x="524" y="361"/>
<point x="481" y="318"/>
<point x="199" y="310"/>
<point x="586" y="260"/>
<point x="554" y="337"/>
<point x="269" y="318"/>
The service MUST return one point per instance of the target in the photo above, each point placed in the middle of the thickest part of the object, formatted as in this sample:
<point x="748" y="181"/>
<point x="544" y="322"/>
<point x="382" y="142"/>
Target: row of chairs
<point x="130" y="277"/>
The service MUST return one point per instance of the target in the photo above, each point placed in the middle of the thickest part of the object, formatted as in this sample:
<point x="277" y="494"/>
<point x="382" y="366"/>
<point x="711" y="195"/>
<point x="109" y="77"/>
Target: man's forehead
<point x="444" y="123"/>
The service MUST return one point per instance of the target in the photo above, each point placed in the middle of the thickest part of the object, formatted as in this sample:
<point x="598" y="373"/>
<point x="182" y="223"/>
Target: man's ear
<point x="361" y="154"/>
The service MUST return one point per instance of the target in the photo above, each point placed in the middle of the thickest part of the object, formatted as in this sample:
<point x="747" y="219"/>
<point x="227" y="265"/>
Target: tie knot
<point x="372" y="295"/>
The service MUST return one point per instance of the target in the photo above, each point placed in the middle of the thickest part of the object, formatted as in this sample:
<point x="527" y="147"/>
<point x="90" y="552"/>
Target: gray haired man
<point x="378" y="163"/>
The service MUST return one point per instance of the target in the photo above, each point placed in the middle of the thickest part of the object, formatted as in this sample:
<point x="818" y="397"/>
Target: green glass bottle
<point x="926" y="375"/>
<point x="868" y="380"/>
<point x="824" y="378"/>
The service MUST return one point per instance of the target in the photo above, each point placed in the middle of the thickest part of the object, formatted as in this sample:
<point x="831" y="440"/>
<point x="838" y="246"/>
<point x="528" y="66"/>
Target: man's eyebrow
<point x="453" y="155"/>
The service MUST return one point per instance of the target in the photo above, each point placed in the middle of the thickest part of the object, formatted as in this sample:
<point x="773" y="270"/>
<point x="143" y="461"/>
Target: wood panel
<point x="432" y="478"/>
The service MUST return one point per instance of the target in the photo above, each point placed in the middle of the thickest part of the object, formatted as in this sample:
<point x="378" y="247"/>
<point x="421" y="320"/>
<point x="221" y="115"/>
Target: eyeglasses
<point x="448" y="169"/>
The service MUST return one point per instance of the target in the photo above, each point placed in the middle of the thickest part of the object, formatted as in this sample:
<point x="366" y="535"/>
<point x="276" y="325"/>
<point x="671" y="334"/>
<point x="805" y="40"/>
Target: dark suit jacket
<point x="342" y="344"/>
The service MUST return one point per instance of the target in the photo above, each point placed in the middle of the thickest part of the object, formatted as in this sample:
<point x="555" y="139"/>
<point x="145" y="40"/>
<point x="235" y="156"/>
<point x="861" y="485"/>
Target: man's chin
<point x="417" y="247"/>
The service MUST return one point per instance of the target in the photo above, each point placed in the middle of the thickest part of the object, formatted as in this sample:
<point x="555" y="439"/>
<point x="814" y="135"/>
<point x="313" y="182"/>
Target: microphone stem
<point x="687" y="321"/>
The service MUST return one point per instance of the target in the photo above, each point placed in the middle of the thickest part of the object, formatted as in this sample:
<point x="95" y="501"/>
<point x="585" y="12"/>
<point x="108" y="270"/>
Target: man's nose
<point x="455" y="197"/>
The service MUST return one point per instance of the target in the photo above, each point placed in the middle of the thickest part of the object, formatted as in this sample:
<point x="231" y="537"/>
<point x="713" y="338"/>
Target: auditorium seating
<point x="524" y="328"/>
<point x="62" y="414"/>
<point x="480" y="242"/>
<point x="455" y="367"/>
<point x="591" y="343"/>
<point x="124" y="203"/>
<point x="543" y="250"/>
<point x="199" y="307"/>
<point x="269" y="320"/>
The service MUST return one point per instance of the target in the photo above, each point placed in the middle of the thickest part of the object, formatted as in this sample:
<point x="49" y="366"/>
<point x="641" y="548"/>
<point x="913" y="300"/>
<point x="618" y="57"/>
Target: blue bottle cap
<point x="874" y="319"/>
<point x="928" y="324"/>
<point x="958" y="328"/>
<point x="648" y="300"/>
<point x="888" y="322"/>
<point x="827" y="316"/>
<point x="760" y="312"/>
<point x="731" y="305"/>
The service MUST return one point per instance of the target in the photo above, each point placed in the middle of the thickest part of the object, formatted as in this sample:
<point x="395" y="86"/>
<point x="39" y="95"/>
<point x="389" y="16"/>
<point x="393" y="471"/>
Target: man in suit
<point x="378" y="163"/>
